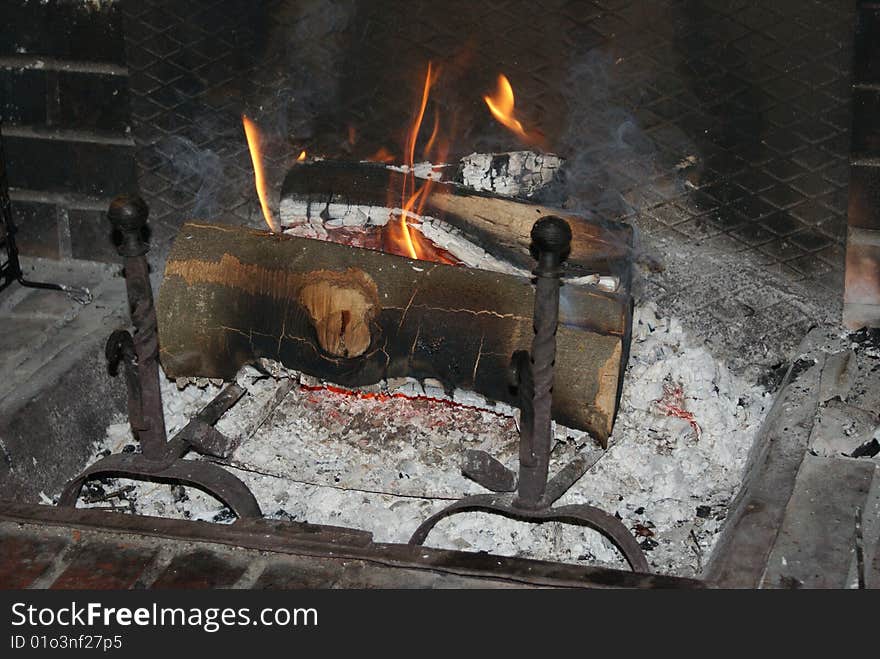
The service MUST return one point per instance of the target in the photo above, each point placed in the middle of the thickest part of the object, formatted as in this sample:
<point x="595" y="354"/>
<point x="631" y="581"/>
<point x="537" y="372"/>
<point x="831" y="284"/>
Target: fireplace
<point x="336" y="206"/>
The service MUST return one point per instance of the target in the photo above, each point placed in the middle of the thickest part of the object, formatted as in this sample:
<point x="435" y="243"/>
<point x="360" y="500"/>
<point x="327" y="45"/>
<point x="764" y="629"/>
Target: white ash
<point x="453" y="241"/>
<point x="509" y="174"/>
<point x="512" y="174"/>
<point x="385" y="464"/>
<point x="424" y="170"/>
<point x="299" y="217"/>
<point x="608" y="283"/>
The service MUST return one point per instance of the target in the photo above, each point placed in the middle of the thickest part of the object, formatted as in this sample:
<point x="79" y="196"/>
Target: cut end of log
<point x="341" y="306"/>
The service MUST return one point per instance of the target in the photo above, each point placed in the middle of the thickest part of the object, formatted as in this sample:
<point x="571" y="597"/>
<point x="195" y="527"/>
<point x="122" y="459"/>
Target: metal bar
<point x="320" y="541"/>
<point x="551" y="237"/>
<point x="206" y="476"/>
<point x="569" y="475"/>
<point x="579" y="515"/>
<point x="129" y="217"/>
<point x="200" y="434"/>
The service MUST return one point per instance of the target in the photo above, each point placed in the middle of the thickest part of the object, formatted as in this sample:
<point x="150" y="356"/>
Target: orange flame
<point x="501" y="105"/>
<point x="409" y="194"/>
<point x="301" y="156"/>
<point x="253" y="140"/>
<point x="413" y="198"/>
<point x="433" y="138"/>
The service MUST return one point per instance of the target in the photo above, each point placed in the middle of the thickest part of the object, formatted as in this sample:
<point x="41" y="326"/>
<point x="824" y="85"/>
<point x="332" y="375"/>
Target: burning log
<point x="513" y="174"/>
<point x="500" y="226"/>
<point x="357" y="317"/>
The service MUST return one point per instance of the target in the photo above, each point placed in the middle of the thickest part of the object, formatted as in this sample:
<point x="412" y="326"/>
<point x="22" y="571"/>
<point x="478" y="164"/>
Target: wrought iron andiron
<point x="531" y="497"/>
<point x="159" y="460"/>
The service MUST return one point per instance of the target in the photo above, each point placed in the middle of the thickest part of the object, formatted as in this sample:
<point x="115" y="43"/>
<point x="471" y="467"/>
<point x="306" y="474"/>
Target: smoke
<point x="299" y="82"/>
<point x="206" y="163"/>
<point x="195" y="172"/>
<point x="613" y="168"/>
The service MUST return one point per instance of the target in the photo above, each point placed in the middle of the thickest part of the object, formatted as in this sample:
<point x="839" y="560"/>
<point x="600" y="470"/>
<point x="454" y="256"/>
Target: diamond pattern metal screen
<point x="722" y="124"/>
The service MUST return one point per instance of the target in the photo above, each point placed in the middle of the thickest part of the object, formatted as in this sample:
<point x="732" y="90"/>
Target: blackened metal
<point x="207" y="440"/>
<point x="569" y="475"/>
<point x="129" y="217"/>
<point x="534" y="497"/>
<point x="159" y="460"/>
<point x="579" y="515"/>
<point x="203" y="475"/>
<point x="120" y="349"/>
<point x="330" y="543"/>
<point x="860" y="548"/>
<point x="551" y="238"/>
<point x="481" y="467"/>
<point x="10" y="268"/>
<point x="200" y="434"/>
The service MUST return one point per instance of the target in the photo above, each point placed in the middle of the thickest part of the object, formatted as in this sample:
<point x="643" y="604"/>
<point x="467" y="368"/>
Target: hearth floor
<point x="809" y="515"/>
<point x="40" y="324"/>
<point x="845" y="418"/>
<point x="386" y="465"/>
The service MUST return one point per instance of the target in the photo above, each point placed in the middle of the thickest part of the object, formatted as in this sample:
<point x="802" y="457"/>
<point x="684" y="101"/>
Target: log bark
<point x="499" y="225"/>
<point x="356" y="317"/>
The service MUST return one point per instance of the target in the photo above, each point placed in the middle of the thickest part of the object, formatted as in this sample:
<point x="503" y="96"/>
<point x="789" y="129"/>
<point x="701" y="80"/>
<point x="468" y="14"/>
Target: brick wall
<point x="862" y="295"/>
<point x="64" y="103"/>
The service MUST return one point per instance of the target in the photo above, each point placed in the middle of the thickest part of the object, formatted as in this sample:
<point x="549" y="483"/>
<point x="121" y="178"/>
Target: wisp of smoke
<point x="195" y="168"/>
<point x="611" y="162"/>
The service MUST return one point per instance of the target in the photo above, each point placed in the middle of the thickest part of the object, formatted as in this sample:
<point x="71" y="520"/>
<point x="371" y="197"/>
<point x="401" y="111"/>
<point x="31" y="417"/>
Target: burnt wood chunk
<point x="356" y="317"/>
<point x="499" y="225"/>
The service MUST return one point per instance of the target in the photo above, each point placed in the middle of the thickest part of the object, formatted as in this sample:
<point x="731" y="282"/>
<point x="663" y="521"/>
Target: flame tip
<point x="252" y="135"/>
<point x="501" y="104"/>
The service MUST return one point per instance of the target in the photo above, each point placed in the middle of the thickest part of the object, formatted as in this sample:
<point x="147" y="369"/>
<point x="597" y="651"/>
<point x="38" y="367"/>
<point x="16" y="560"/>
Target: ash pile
<point x="380" y="461"/>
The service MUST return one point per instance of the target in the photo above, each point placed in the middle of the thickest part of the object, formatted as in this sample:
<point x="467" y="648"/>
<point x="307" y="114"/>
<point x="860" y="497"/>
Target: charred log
<point x="499" y="225"/>
<point x="356" y="317"/>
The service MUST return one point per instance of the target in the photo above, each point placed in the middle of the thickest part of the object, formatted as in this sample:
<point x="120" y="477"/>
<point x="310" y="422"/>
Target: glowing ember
<point x="383" y="155"/>
<point x="383" y="397"/>
<point x="672" y="403"/>
<point x="301" y="156"/>
<point x="501" y="105"/>
<point x="253" y="140"/>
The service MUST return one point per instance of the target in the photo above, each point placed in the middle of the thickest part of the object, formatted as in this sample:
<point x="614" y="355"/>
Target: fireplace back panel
<point x="65" y="110"/>
<point x="758" y="94"/>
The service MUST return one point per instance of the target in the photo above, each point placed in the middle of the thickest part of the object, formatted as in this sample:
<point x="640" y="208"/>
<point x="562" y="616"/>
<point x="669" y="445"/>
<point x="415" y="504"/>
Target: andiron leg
<point x="534" y="494"/>
<point x="160" y="460"/>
